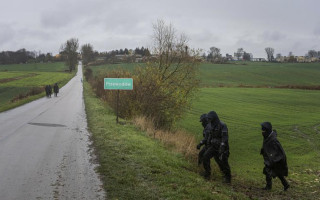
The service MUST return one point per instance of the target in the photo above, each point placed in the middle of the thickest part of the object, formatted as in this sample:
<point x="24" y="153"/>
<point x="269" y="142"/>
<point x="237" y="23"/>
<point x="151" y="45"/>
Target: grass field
<point x="260" y="74"/>
<point x="20" y="79"/>
<point x="35" y="67"/>
<point x="253" y="74"/>
<point x="294" y="113"/>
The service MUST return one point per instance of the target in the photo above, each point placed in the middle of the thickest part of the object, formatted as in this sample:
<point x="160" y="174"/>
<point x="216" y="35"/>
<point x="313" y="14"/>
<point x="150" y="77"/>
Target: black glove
<point x="198" y="146"/>
<point x="222" y="148"/>
<point x="221" y="156"/>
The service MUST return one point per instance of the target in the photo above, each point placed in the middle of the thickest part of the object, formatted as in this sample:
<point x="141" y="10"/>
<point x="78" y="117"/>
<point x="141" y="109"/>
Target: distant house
<point x="258" y="59"/>
<point x="101" y="58"/>
<point x="281" y="59"/>
<point x="229" y="57"/>
<point x="301" y="59"/>
<point x="120" y="57"/>
<point x="57" y="56"/>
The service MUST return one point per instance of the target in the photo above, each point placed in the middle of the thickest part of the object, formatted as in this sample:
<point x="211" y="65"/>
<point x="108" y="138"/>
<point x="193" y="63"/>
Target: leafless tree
<point x="69" y="51"/>
<point x="87" y="53"/>
<point x="167" y="83"/>
<point x="290" y="54"/>
<point x="215" y="55"/>
<point x="239" y="53"/>
<point x="270" y="52"/>
<point x="312" y="53"/>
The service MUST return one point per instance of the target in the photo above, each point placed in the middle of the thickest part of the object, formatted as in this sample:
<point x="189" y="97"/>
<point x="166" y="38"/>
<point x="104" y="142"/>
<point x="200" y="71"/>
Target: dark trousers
<point x="268" y="172"/>
<point x="201" y="153"/>
<point x="213" y="151"/>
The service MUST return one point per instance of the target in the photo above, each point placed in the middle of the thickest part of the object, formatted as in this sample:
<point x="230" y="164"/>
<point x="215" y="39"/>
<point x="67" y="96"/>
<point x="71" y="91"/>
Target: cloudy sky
<point x="43" y="25"/>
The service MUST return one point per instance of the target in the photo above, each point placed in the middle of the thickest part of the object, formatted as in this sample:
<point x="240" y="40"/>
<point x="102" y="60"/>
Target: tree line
<point x="24" y="56"/>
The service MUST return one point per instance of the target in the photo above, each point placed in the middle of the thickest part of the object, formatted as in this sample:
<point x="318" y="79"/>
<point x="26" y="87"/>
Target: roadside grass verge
<point x="178" y="140"/>
<point x="133" y="165"/>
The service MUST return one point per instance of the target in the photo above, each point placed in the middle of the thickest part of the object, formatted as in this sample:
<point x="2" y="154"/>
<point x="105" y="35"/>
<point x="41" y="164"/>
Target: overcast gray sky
<point x="43" y="25"/>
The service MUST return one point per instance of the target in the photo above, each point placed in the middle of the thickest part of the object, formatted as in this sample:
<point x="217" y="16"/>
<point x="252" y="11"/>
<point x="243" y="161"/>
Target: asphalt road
<point x="45" y="149"/>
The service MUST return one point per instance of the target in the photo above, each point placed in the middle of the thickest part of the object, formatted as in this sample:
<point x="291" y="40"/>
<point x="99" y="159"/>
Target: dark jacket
<point x="56" y="88"/>
<point x="216" y="134"/>
<point x="274" y="156"/>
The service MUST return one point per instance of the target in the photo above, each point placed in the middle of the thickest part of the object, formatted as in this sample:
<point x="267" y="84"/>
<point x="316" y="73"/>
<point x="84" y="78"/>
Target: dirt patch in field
<point x="302" y="87"/>
<point x="31" y="92"/>
<point x="5" y="80"/>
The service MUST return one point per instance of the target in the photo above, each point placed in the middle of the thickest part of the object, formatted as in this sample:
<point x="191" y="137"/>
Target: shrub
<point x="163" y="89"/>
<point x="88" y="73"/>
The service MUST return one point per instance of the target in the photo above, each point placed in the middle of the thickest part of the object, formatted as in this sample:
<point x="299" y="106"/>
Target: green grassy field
<point x="20" y="79"/>
<point x="254" y="74"/>
<point x="35" y="67"/>
<point x="294" y="113"/>
<point x="260" y="74"/>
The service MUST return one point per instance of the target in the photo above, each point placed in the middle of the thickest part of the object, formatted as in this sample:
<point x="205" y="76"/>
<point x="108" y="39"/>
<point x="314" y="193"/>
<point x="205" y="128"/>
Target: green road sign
<point x="118" y="83"/>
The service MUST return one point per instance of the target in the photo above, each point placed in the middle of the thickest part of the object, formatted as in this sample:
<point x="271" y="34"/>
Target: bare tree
<point x="168" y="83"/>
<point x="247" y="56"/>
<point x="215" y="55"/>
<point x="239" y="53"/>
<point x="69" y="51"/>
<point x="312" y="53"/>
<point x="290" y="54"/>
<point x="270" y="52"/>
<point x="87" y="53"/>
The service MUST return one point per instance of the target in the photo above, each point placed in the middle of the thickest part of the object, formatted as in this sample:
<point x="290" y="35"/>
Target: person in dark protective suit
<point x="217" y="146"/>
<point x="275" y="161"/>
<point x="204" y="141"/>
<point x="49" y="90"/>
<point x="56" y="89"/>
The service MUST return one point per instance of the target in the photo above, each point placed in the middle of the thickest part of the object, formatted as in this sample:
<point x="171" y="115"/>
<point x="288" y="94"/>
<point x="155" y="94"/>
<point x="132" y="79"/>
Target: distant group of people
<point x="216" y="145"/>
<point x="48" y="90"/>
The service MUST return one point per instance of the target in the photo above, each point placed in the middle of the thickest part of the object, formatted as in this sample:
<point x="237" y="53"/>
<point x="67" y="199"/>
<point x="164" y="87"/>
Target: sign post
<point x="118" y="84"/>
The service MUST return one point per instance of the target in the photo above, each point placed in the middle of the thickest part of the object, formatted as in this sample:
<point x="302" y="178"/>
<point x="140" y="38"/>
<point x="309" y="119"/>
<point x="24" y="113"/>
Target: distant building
<point x="229" y="57"/>
<point x="258" y="60"/>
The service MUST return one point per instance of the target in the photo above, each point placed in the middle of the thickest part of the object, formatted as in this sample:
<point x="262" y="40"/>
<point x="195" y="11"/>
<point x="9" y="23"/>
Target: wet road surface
<point x="45" y="149"/>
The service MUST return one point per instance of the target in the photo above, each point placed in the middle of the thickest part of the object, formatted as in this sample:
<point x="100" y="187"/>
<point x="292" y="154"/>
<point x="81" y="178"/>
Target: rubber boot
<point x="284" y="183"/>
<point x="269" y="183"/>
<point x="227" y="179"/>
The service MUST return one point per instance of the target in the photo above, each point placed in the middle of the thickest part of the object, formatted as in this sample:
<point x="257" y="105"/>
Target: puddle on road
<point x="48" y="124"/>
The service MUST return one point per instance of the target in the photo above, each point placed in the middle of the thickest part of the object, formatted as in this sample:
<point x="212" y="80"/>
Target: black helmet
<point x="203" y="117"/>
<point x="266" y="126"/>
<point x="212" y="116"/>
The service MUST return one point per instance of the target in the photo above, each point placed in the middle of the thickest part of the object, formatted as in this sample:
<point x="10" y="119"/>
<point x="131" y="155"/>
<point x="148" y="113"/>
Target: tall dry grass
<point x="179" y="140"/>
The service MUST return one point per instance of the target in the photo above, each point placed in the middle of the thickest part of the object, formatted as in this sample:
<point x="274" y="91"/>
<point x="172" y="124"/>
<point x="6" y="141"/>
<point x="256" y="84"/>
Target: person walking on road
<point x="46" y="88"/>
<point x="50" y="90"/>
<point x="56" y="89"/>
